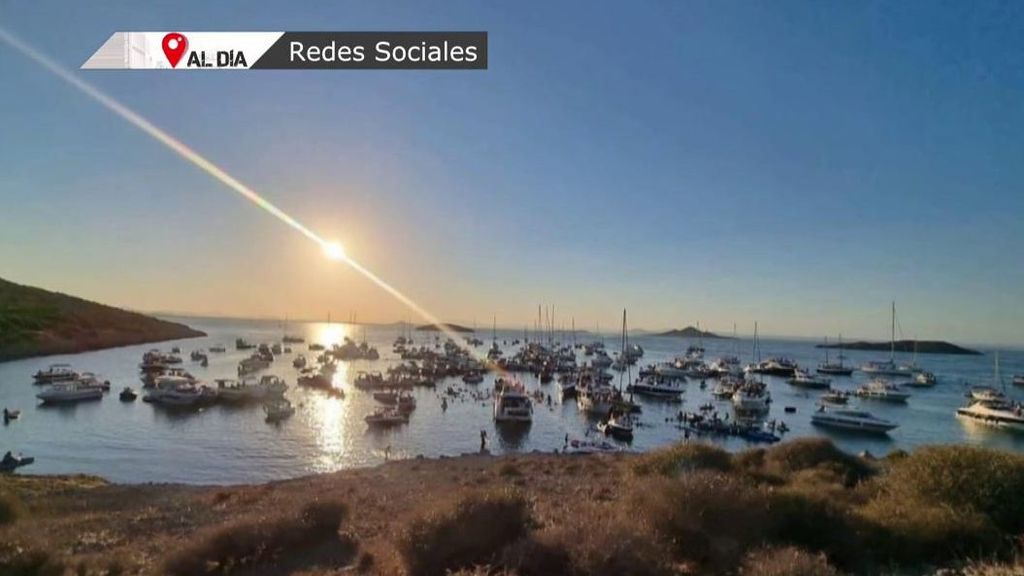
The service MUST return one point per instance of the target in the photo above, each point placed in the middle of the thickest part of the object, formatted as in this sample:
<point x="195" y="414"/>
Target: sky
<point x="801" y="164"/>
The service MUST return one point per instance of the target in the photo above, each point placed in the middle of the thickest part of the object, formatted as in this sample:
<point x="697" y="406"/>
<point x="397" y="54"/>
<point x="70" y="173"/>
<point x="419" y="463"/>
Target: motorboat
<point x="751" y="397"/>
<point x="242" y="344"/>
<point x="567" y="385"/>
<point x="618" y="426"/>
<point x="278" y="409"/>
<point x="670" y="371"/>
<point x="773" y="367"/>
<point x="10" y="462"/>
<point x="254" y="363"/>
<point x="473" y="377"/>
<point x="386" y="417"/>
<point x="250" y="389"/>
<point x="293" y="339"/>
<point x="512" y="403"/>
<point x="853" y="421"/>
<point x="834" y="397"/>
<point x="588" y="446"/>
<point x="995" y="413"/>
<point x="11" y="415"/>
<point x="1018" y="380"/>
<point x="726" y="365"/>
<point x="299" y="362"/>
<point x="804" y="379"/>
<point x="55" y="373"/>
<point x="657" y="387"/>
<point x="882" y="390"/>
<point x="218" y="349"/>
<point x="69" y="392"/>
<point x="128" y="395"/>
<point x="923" y="379"/>
<point x="369" y="381"/>
<point x="601" y="359"/>
<point x="177" y="391"/>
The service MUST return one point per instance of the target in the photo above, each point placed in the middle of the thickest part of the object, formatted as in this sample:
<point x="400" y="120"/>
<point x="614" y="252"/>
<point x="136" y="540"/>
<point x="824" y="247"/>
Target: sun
<point x="334" y="250"/>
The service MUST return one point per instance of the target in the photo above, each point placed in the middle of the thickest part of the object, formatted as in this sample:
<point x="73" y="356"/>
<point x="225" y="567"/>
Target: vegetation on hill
<point x="36" y="322"/>
<point x="690" y="332"/>
<point x="801" y="508"/>
<point x="919" y="346"/>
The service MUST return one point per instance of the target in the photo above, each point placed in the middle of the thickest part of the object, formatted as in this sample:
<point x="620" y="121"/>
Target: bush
<point x="683" y="458"/>
<point x="10" y="508"/>
<point x="707" y="518"/>
<point x="820" y="524"/>
<point x="786" y="562"/>
<point x="787" y="458"/>
<point x="470" y="532"/>
<point x="247" y="542"/>
<point x="18" y="561"/>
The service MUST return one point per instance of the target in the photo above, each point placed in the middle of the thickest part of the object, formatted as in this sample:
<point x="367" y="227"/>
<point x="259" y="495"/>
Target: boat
<point x="834" y="397"/>
<point x="657" y="387"/>
<point x="386" y="417"/>
<point x="218" y="349"/>
<point x="55" y="373"/>
<point x="985" y="394"/>
<point x="473" y="377"/>
<point x="618" y="426"/>
<point x="587" y="446"/>
<point x="670" y="371"/>
<point x="512" y="403"/>
<point x="835" y="369"/>
<point x="773" y="367"/>
<point x="804" y="379"/>
<point x="278" y="409"/>
<point x="254" y="363"/>
<point x="1018" y="380"/>
<point x="996" y="413"/>
<point x="69" y="392"/>
<point x="242" y="344"/>
<point x="11" y="415"/>
<point x="883" y="390"/>
<point x="889" y="367"/>
<point x="128" y="395"/>
<point x="751" y="397"/>
<point x="853" y="421"/>
<point x="10" y="462"/>
<point x="923" y="379"/>
<point x="177" y="391"/>
<point x="726" y="365"/>
<point x="299" y="362"/>
<point x="250" y="389"/>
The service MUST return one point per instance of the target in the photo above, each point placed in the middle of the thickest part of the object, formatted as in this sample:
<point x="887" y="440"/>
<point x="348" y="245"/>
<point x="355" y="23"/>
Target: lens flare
<point x="332" y="249"/>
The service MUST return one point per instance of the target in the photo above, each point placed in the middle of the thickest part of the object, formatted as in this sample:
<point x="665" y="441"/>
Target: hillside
<point x="800" y="508"/>
<point x="37" y="322"/>
<point x="690" y="332"/>
<point x="923" y="347"/>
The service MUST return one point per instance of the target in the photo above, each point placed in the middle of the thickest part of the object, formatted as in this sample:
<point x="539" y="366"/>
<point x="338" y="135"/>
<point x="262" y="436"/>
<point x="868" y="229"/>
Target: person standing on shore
<point x="483" y="441"/>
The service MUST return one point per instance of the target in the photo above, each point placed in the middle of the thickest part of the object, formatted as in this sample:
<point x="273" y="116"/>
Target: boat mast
<point x="892" y="337"/>
<point x="826" y="350"/>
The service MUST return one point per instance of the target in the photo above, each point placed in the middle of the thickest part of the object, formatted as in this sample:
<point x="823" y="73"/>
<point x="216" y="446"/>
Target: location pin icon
<point x="174" y="45"/>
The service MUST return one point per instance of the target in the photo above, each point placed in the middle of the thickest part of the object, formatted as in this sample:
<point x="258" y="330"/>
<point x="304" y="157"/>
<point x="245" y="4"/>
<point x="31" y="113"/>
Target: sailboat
<point x="889" y="367"/>
<point x="619" y="423"/>
<point x="827" y="367"/>
<point x="289" y="338"/>
<point x="990" y="407"/>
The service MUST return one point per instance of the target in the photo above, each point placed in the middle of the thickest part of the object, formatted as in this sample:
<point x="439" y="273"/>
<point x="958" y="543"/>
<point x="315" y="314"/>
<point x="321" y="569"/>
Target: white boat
<point x="922" y="379"/>
<point x="995" y="413"/>
<point x="386" y="417"/>
<point x="852" y="420"/>
<point x="834" y="397"/>
<point x="250" y="389"/>
<point x="882" y="390"/>
<point x="804" y="379"/>
<point x="278" y="410"/>
<point x="1018" y="380"/>
<point x="751" y="397"/>
<point x="587" y="446"/>
<point x="601" y="359"/>
<point x="726" y="365"/>
<point x="889" y="367"/>
<point x="669" y="370"/>
<point x="618" y="426"/>
<point x="175" y="391"/>
<point x="67" y="392"/>
<point x="512" y="403"/>
<point x="658" y="387"/>
<point x="985" y="394"/>
<point x="55" y="373"/>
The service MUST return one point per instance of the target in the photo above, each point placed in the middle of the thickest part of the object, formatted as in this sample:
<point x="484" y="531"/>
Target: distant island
<point x="691" y="332"/>
<point x="37" y="322"/>
<point x="437" y="328"/>
<point x="923" y="347"/>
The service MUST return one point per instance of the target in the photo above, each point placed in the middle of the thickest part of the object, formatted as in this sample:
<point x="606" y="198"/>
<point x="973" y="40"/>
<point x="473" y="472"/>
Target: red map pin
<point x="175" y="45"/>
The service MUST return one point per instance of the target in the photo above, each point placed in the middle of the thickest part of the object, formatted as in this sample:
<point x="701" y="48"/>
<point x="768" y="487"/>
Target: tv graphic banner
<point x="291" y="51"/>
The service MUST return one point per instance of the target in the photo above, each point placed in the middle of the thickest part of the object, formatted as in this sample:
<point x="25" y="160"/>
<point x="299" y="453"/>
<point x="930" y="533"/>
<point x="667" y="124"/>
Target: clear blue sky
<point x="797" y="163"/>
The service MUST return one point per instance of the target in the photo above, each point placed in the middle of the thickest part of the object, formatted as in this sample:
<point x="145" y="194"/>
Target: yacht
<point x="618" y="426"/>
<point x="882" y="390"/>
<point x="852" y="420"/>
<point x="995" y="413"/>
<point x="889" y="367"/>
<point x="834" y="397"/>
<point x="55" y="373"/>
<point x="726" y="365"/>
<point x="751" y="397"/>
<point x="773" y="367"/>
<point x="387" y="417"/>
<point x="596" y="399"/>
<point x="669" y="370"/>
<point x="835" y="369"/>
<point x="657" y="387"/>
<point x="176" y="391"/>
<point x="922" y="379"/>
<point x="512" y="403"/>
<point x="804" y="379"/>
<point x="278" y="410"/>
<point x="67" y="392"/>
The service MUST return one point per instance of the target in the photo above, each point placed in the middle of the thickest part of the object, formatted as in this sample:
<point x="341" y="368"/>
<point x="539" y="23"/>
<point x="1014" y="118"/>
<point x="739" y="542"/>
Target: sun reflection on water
<point x="330" y="334"/>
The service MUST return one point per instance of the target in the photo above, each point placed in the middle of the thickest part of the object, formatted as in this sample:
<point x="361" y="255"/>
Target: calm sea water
<point x="138" y="442"/>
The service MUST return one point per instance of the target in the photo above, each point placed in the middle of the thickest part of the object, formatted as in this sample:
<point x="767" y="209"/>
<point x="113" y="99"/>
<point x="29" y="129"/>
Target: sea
<point x="141" y="443"/>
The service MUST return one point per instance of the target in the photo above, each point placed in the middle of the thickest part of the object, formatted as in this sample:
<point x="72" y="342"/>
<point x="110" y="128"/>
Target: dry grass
<point x="457" y="535"/>
<point x="680" y="458"/>
<point x="253" y="541"/>
<point x="10" y="508"/>
<point x="786" y="561"/>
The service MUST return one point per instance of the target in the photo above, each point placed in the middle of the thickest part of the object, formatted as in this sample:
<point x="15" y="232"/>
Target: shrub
<point x="470" y="532"/>
<point x="819" y="523"/>
<point x="787" y="458"/>
<point x="682" y="458"/>
<point x="245" y="542"/>
<point x="10" y="508"/>
<point x="786" y="562"/>
<point x="18" y="561"/>
<point x="707" y="518"/>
